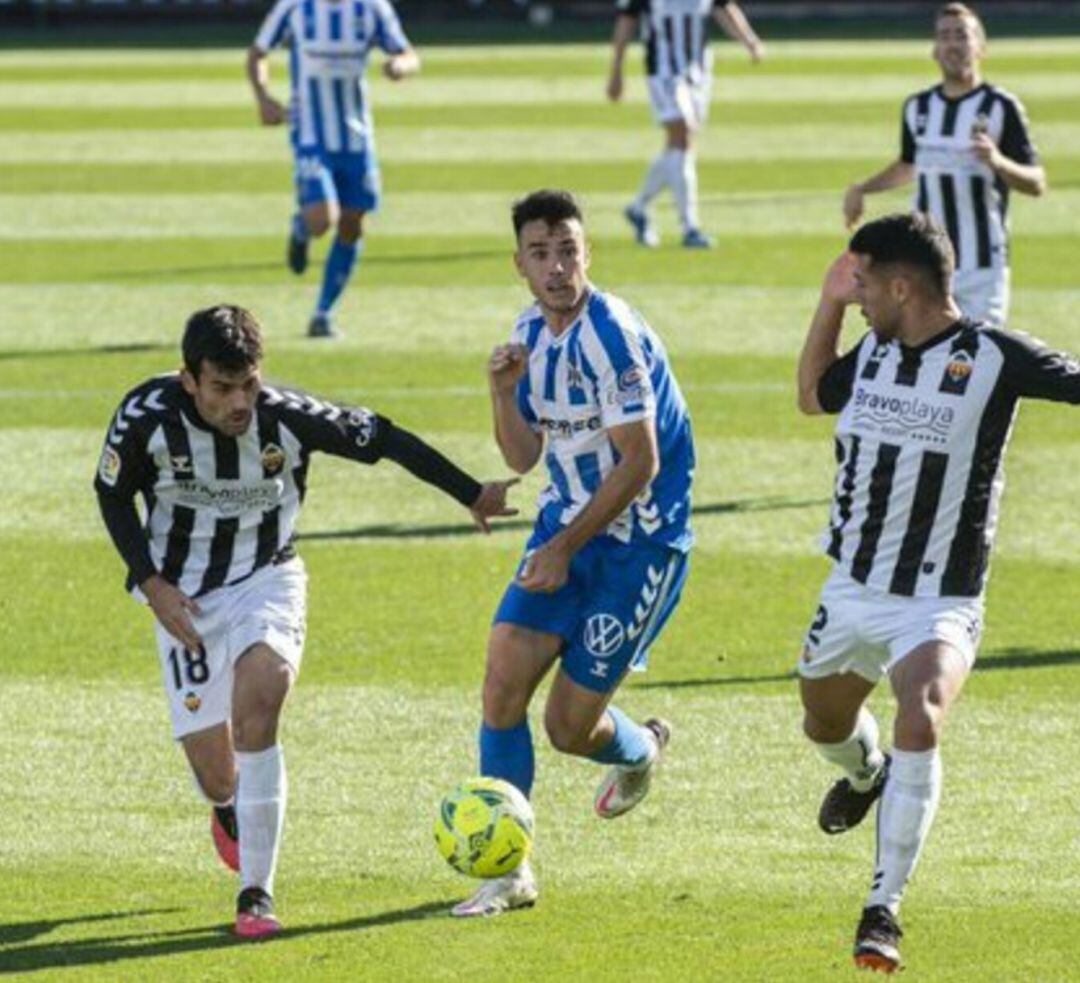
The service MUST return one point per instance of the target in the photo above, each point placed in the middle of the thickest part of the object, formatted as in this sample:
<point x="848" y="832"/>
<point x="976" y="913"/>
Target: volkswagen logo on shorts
<point x="604" y="635"/>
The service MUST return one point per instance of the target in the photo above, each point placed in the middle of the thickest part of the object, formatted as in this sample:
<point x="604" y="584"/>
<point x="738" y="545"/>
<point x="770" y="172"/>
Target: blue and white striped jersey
<point x="329" y="44"/>
<point x="606" y="369"/>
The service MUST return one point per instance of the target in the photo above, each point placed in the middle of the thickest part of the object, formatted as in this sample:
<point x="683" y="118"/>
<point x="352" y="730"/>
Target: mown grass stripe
<point x="483" y="116"/>
<point x="781" y="260"/>
<point x="831" y="174"/>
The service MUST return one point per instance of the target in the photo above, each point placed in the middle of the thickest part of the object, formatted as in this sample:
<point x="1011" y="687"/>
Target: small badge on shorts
<point x="192" y="701"/>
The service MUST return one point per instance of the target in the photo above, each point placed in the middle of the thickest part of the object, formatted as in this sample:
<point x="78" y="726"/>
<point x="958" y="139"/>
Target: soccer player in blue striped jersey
<point x="585" y="385"/>
<point x="330" y="123"/>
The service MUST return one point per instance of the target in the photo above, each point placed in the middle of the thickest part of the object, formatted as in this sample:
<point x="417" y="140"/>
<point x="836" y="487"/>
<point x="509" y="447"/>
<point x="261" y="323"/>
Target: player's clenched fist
<point x="506" y="366"/>
<point x="271" y="112"/>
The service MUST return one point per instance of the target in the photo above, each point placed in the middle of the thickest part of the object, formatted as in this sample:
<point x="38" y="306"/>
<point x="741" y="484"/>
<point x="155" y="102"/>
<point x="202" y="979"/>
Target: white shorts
<point x="269" y="607"/>
<point x="680" y="99"/>
<point x="867" y="632"/>
<point x="983" y="294"/>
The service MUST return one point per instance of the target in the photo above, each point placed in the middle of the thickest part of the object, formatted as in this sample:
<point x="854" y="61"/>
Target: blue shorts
<point x="610" y="610"/>
<point x="350" y="179"/>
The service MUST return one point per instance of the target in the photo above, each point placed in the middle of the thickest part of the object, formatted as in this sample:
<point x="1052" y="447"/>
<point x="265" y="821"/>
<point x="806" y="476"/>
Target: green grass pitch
<point x="135" y="186"/>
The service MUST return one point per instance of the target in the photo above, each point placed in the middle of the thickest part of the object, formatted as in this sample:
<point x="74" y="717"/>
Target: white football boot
<point x="624" y="786"/>
<point x="514" y="890"/>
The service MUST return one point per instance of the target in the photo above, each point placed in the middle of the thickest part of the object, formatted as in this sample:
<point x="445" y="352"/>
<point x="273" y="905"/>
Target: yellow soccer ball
<point x="484" y="827"/>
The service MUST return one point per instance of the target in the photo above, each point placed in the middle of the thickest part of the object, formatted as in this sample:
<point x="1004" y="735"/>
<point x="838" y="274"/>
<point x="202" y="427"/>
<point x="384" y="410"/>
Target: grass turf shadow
<point x="148" y="945"/>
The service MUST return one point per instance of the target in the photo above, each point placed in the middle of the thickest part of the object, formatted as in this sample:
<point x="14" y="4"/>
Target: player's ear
<point x="189" y="382"/>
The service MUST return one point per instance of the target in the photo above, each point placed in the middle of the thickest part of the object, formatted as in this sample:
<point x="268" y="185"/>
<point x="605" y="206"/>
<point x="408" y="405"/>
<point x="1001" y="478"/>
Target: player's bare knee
<point x="918" y="724"/>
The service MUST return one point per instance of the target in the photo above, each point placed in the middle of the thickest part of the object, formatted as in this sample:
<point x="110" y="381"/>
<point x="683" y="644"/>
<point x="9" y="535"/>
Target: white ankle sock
<point x="905" y="814"/>
<point x="859" y="755"/>
<point x="682" y="170"/>
<point x="260" y="814"/>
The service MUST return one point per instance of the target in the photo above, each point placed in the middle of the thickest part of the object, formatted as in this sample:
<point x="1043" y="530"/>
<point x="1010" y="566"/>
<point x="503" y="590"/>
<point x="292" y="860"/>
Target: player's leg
<point x="263" y="679"/>
<point x="983" y="294"/>
<point x="518" y="658"/>
<point x="932" y="652"/>
<point x="358" y="188"/>
<point x="682" y="163"/>
<point x="198" y="685"/>
<point x="317" y="207"/>
<point x="632" y="593"/>
<point x="838" y="669"/>
<point x="658" y="176"/>
<point x="213" y="767"/>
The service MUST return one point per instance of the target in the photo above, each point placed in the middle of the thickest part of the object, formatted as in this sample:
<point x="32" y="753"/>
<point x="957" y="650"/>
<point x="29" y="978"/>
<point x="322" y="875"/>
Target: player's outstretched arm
<point x="271" y="112"/>
<point x="519" y="443"/>
<point x="736" y="26"/>
<point x="897" y="174"/>
<point x="822" y="346"/>
<point x="546" y="569"/>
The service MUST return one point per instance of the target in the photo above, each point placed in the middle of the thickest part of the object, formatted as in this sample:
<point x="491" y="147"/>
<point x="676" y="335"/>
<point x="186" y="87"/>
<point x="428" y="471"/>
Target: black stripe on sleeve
<point x="920" y="523"/>
<point x="844" y="499"/>
<point x="881" y="481"/>
<point x="982" y="220"/>
<point x="952" y="220"/>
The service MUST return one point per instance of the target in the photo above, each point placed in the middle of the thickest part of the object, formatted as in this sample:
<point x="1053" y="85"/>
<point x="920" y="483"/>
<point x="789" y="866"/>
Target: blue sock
<point x="299" y="228"/>
<point x="629" y="746"/>
<point x="339" y="267"/>
<point x="508" y="754"/>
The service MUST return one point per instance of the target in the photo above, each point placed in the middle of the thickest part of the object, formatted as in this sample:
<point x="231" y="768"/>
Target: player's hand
<point x="853" y="205"/>
<point x="986" y="150"/>
<point x="506" y="366"/>
<point x="546" y="570"/>
<point x="173" y="609"/>
<point x="492" y="503"/>
<point x="393" y="68"/>
<point x="839" y="285"/>
<point x="615" y="86"/>
<point x="271" y="112"/>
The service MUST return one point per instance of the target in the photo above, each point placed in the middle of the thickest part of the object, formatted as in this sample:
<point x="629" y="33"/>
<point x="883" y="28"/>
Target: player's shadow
<point x="131" y="348"/>
<point x="148" y="945"/>
<point x="1012" y="658"/>
<point x="394" y="531"/>
<point x="18" y="932"/>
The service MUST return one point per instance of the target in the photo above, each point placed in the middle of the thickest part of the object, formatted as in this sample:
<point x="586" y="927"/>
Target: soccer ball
<point x="484" y="827"/>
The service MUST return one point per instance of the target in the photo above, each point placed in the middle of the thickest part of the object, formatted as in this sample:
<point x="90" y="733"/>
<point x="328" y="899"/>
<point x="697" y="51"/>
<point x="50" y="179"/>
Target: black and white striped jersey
<point x="218" y="508"/>
<point x="951" y="183"/>
<point x="676" y="35"/>
<point x="919" y="446"/>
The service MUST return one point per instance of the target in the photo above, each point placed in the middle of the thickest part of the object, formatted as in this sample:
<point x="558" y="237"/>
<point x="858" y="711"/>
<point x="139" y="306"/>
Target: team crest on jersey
<point x="109" y="466"/>
<point x="959" y="366"/>
<point x="192" y="702"/>
<point x="273" y="460"/>
<point x="980" y="125"/>
<point x="957" y="372"/>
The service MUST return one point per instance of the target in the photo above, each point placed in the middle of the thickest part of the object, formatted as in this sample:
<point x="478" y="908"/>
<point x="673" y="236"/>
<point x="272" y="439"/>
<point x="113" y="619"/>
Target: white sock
<point x="655" y="179"/>
<point x="859" y="755"/>
<point x="682" y="171"/>
<point x="260" y="814"/>
<point x="906" y="812"/>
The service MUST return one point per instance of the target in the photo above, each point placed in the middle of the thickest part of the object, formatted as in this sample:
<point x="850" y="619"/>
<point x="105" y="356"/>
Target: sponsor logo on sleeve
<point x="109" y="466"/>
<point x="362" y="425"/>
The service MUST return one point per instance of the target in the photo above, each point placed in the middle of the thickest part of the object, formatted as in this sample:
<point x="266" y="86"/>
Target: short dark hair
<point x="912" y="239"/>
<point x="548" y="205"/>
<point x="961" y="10"/>
<point x="226" y="335"/>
